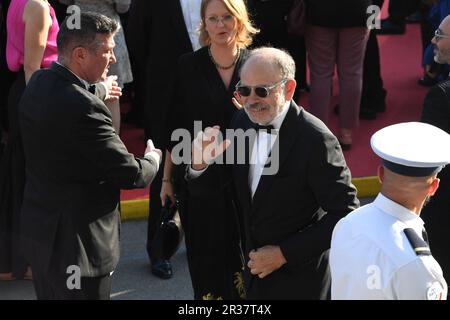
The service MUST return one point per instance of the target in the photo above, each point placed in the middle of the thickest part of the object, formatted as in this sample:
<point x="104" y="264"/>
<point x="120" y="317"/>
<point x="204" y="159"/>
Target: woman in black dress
<point x="205" y="84"/>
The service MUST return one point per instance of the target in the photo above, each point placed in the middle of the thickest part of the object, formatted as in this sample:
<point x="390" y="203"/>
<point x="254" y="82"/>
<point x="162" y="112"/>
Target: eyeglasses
<point x="439" y="35"/>
<point x="260" y="91"/>
<point x="226" y="19"/>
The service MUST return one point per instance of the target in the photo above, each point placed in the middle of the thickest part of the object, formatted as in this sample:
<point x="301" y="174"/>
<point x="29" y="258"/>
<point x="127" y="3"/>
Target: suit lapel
<point x="242" y="170"/>
<point x="287" y="135"/>
<point x="179" y="24"/>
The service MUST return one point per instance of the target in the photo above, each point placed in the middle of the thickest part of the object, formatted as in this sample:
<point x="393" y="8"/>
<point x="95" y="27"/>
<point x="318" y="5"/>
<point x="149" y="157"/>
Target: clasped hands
<point x="265" y="260"/>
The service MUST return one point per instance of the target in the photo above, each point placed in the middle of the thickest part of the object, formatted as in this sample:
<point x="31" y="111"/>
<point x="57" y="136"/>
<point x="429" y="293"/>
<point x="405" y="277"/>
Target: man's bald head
<point x="275" y="60"/>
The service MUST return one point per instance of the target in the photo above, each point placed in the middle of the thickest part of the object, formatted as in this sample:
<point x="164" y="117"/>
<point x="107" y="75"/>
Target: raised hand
<point x="113" y="91"/>
<point x="151" y="149"/>
<point x="206" y="147"/>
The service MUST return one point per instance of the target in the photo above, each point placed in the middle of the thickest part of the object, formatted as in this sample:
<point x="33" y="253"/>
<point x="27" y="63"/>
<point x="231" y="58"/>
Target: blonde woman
<point x="204" y="88"/>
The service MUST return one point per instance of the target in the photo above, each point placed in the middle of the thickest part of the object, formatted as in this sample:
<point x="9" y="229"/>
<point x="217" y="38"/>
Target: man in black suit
<point x="288" y="214"/>
<point x="436" y="111"/>
<point x="76" y="165"/>
<point x="159" y="32"/>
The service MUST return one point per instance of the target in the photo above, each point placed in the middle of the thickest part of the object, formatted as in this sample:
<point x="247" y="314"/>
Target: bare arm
<point x="36" y="17"/>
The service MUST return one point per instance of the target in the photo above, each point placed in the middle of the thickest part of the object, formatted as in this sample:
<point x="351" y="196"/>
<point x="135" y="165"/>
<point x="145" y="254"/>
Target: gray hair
<point x="91" y="23"/>
<point x="277" y="58"/>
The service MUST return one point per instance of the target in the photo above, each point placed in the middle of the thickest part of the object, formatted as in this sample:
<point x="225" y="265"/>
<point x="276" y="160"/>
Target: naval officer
<point x="380" y="251"/>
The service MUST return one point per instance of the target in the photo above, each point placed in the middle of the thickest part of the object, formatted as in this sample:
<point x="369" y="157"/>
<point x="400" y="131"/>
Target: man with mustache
<point x="288" y="214"/>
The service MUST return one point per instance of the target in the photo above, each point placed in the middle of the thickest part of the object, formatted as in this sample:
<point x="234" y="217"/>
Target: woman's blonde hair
<point x="245" y="28"/>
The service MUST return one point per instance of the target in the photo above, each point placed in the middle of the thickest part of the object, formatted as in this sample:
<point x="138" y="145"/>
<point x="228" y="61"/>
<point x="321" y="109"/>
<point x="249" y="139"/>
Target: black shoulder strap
<point x="420" y="247"/>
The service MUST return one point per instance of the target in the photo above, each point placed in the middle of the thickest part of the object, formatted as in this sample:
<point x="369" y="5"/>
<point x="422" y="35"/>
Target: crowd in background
<point x="163" y="90"/>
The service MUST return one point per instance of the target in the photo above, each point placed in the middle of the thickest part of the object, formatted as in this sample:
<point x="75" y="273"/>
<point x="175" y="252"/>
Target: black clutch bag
<point x="169" y="233"/>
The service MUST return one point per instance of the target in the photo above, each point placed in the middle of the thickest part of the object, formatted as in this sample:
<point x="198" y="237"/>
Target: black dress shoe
<point x="162" y="269"/>
<point x="427" y="81"/>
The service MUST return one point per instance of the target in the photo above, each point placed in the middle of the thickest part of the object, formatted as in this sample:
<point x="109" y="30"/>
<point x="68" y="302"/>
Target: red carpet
<point x="401" y="68"/>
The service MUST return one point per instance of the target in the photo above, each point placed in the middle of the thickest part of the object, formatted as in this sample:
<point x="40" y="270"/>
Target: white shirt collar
<point x="87" y="84"/>
<point x="278" y="121"/>
<point x="192" y="19"/>
<point x="397" y="211"/>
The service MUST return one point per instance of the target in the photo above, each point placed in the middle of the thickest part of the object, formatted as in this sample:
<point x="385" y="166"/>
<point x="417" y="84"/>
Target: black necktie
<point x="91" y="89"/>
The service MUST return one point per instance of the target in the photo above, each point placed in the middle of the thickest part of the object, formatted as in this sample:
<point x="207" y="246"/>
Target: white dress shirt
<point x="261" y="150"/>
<point x="191" y="14"/>
<point x="371" y="257"/>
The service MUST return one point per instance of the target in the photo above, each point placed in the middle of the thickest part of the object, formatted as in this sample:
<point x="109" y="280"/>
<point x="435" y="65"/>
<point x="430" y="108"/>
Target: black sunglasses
<point x="260" y="91"/>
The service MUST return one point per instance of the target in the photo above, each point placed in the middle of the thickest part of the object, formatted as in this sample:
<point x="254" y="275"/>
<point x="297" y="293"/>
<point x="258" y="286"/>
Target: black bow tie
<point x="267" y="128"/>
<point x="91" y="89"/>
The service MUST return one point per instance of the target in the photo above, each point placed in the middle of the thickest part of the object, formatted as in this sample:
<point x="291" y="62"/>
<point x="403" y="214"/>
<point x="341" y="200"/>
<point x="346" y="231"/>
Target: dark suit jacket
<point x="436" y="111"/>
<point x="75" y="167"/>
<point x="156" y="37"/>
<point x="297" y="208"/>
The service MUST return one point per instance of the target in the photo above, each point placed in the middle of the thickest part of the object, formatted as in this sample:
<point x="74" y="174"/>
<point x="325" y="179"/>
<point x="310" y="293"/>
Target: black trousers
<point x="12" y="182"/>
<point x="373" y="92"/>
<point x="154" y="249"/>
<point x="54" y="286"/>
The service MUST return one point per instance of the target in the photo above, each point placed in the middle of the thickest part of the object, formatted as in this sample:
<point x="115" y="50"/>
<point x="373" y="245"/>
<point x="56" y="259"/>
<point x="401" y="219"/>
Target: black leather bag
<point x="169" y="233"/>
<point x="296" y="19"/>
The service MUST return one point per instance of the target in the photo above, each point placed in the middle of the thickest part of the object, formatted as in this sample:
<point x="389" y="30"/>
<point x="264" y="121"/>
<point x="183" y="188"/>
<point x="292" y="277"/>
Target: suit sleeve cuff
<point x="193" y="174"/>
<point x="153" y="156"/>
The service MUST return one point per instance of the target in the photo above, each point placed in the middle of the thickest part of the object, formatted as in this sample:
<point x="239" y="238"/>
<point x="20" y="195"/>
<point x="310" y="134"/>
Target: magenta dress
<point x="12" y="163"/>
<point x="15" y="45"/>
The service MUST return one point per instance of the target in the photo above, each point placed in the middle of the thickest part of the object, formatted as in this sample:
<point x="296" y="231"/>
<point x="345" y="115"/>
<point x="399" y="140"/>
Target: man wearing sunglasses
<point x="288" y="216"/>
